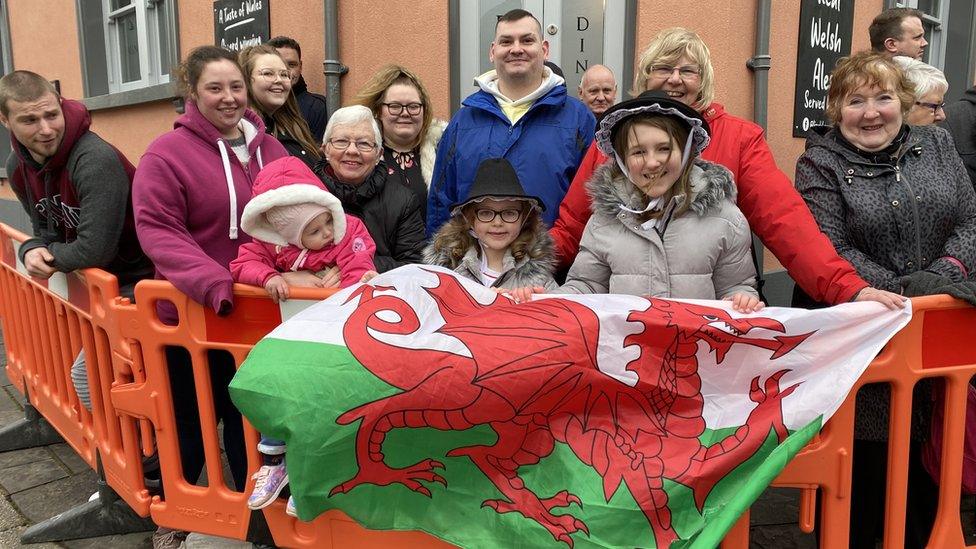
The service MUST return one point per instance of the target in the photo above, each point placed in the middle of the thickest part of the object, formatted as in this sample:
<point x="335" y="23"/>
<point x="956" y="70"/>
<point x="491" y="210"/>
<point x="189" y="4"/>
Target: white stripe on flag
<point x="292" y="307"/>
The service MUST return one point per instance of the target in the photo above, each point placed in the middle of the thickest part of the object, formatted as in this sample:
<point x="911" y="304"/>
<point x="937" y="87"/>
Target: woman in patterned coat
<point x="896" y="201"/>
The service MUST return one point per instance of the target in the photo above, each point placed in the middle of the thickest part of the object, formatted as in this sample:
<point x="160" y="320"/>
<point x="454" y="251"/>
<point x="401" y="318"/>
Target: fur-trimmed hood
<point x="285" y="182"/>
<point x="428" y="149"/>
<point x="710" y="184"/>
<point x="533" y="269"/>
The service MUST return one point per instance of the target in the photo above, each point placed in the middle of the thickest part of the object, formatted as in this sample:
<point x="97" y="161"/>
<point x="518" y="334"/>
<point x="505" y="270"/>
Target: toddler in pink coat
<point x="299" y="230"/>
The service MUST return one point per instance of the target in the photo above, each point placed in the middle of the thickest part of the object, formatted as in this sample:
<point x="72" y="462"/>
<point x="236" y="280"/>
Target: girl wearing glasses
<point x="496" y="236"/>
<point x="401" y="104"/>
<point x="269" y="94"/>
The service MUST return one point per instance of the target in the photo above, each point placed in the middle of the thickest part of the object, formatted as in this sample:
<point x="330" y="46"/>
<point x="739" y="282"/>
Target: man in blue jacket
<point x="521" y="113"/>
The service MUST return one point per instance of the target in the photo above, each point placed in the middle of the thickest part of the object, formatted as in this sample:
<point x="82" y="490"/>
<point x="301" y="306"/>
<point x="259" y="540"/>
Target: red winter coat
<point x="776" y="212"/>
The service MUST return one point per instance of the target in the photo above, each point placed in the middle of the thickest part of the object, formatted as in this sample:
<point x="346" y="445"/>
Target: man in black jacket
<point x="961" y="122"/>
<point x="311" y="104"/>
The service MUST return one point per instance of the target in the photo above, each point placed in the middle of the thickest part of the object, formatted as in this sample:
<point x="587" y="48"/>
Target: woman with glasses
<point x="400" y="102"/>
<point x="896" y="202"/>
<point x="269" y="94"/>
<point x="678" y="63"/>
<point x="353" y="170"/>
<point x="930" y="89"/>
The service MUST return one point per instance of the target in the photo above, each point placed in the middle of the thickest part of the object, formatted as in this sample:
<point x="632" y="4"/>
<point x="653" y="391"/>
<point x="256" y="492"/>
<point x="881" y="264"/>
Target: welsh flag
<point x="425" y="402"/>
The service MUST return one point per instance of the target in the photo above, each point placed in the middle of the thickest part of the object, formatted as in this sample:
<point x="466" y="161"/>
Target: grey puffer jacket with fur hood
<point x="534" y="269"/>
<point x="703" y="253"/>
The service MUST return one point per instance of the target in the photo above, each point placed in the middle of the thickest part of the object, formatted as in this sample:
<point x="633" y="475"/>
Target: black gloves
<point x="923" y="283"/>
<point x="965" y="290"/>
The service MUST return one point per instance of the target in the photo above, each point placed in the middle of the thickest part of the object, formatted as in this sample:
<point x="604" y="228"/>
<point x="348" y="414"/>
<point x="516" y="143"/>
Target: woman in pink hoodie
<point x="188" y="194"/>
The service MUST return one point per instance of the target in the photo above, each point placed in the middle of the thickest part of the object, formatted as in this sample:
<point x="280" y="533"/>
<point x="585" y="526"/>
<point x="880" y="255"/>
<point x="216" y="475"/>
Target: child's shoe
<point x="290" y="507"/>
<point x="269" y="481"/>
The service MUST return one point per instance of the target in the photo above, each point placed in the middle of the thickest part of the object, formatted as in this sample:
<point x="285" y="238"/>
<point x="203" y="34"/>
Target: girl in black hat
<point x="496" y="236"/>
<point x="664" y="222"/>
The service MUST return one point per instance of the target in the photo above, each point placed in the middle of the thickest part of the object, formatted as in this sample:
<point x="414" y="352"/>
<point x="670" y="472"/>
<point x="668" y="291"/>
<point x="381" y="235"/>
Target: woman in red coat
<point x="678" y="62"/>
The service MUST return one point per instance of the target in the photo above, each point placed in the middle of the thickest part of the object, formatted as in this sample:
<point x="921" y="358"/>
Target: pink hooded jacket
<point x="188" y="194"/>
<point x="285" y="182"/>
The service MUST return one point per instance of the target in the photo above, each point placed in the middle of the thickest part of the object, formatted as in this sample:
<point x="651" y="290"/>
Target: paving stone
<point x="8" y="402"/>
<point x="139" y="540"/>
<point x="47" y="500"/>
<point x="29" y="475"/>
<point x="780" y="537"/>
<point x="20" y="457"/>
<point x="9" y="417"/>
<point x="8" y="391"/>
<point x="69" y="457"/>
<point x="10" y="539"/>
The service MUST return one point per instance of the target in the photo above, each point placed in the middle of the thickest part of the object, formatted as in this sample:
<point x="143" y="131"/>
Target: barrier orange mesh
<point x="45" y="323"/>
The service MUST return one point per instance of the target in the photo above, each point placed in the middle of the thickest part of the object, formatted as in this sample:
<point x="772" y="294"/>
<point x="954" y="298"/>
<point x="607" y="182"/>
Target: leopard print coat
<point x="891" y="216"/>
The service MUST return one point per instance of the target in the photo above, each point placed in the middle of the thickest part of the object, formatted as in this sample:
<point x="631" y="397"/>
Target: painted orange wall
<point x="46" y="43"/>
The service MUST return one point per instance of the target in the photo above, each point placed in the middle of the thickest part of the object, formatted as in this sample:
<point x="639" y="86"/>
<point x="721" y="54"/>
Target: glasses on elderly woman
<point x="934" y="106"/>
<point x="343" y="144"/>
<point x="413" y="109"/>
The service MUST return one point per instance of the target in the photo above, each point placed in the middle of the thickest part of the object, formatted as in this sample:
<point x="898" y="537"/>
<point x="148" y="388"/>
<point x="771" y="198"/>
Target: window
<point x="126" y="44"/>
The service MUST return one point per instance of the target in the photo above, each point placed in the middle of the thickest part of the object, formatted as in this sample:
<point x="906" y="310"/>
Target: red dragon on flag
<point x="534" y="378"/>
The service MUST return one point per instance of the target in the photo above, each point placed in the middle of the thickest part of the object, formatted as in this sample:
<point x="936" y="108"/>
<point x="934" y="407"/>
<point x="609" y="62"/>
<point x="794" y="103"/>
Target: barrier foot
<point x="29" y="432"/>
<point x="108" y="515"/>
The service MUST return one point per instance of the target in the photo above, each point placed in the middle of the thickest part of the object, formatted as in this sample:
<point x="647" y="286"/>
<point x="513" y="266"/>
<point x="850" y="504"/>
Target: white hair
<point x="351" y="116"/>
<point x="924" y="77"/>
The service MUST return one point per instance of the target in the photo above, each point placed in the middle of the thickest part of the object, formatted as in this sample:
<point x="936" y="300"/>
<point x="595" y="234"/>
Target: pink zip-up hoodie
<point x="188" y="194"/>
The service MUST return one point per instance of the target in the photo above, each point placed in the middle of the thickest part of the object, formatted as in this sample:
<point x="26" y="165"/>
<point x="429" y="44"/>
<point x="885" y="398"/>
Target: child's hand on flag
<point x="746" y="303"/>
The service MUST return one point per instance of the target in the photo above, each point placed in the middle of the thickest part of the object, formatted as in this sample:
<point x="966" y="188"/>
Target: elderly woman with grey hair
<point x="353" y="170"/>
<point x="930" y="89"/>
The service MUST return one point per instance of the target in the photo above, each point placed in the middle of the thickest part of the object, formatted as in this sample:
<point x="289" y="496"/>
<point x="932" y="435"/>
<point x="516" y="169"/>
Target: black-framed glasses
<point x="413" y="109"/>
<point x="270" y="75"/>
<point x="686" y="72"/>
<point x="487" y="215"/>
<point x="934" y="106"/>
<point x="343" y="144"/>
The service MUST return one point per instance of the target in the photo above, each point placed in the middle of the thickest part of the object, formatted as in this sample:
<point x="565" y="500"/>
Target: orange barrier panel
<point x="45" y="323"/>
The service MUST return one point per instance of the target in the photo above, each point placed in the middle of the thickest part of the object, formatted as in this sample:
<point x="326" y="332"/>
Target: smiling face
<point x="351" y="165"/>
<point x="518" y="51"/>
<point x="37" y="125"/>
<point x="221" y="96"/>
<point x="270" y="83"/>
<point x="496" y="234"/>
<point x="652" y="158"/>
<point x="680" y="87"/>
<point x="317" y="234"/>
<point x="401" y="130"/>
<point x="870" y="117"/>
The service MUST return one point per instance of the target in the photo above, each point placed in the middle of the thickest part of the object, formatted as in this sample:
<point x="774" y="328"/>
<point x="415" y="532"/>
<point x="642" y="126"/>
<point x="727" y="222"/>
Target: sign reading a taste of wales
<point x="241" y="23"/>
<point x="825" y="37"/>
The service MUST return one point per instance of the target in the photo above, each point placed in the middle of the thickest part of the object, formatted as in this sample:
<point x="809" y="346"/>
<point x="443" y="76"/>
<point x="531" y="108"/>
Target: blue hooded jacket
<point x="545" y="146"/>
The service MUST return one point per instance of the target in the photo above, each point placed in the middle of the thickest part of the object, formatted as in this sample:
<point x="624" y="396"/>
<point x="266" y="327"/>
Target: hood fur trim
<point x="710" y="184"/>
<point x="256" y="224"/>
<point x="428" y="149"/>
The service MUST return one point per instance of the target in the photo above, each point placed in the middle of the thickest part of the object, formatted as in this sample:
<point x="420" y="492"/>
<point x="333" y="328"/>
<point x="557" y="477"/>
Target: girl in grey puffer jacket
<point x="664" y="222"/>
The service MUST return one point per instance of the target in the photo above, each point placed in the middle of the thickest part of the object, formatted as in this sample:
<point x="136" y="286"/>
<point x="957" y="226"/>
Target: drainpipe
<point x="759" y="64"/>
<point x="332" y="67"/>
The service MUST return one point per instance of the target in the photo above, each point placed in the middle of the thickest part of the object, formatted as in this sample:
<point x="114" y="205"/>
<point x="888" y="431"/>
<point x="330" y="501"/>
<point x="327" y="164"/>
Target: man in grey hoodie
<point x="521" y="113"/>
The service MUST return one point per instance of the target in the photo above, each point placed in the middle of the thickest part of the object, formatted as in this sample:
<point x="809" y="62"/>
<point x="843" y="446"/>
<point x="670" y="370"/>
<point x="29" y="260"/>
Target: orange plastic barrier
<point x="45" y="323"/>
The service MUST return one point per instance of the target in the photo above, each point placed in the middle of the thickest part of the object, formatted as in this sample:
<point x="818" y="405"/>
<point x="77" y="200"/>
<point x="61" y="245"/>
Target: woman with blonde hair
<point x="401" y="104"/>
<point x="269" y="95"/>
<point x="678" y="63"/>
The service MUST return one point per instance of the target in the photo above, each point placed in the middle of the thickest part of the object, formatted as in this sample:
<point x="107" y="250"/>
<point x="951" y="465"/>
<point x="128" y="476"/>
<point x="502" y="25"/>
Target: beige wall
<point x="47" y="44"/>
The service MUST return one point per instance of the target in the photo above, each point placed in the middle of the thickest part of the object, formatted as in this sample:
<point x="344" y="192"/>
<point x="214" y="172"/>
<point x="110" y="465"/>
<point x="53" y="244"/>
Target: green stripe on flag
<point x="296" y="390"/>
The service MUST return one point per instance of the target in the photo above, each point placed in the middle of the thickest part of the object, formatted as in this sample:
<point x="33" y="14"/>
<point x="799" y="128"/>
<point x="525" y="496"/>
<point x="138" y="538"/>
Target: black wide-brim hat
<point x="496" y="178"/>
<point x="650" y="102"/>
